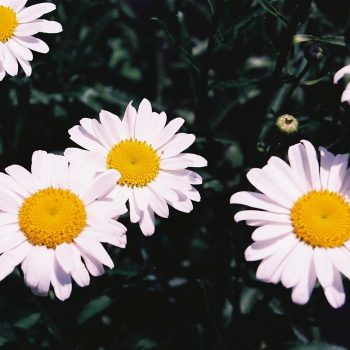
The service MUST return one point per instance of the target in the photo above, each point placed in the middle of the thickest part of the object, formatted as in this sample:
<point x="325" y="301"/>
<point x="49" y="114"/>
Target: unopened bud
<point x="287" y="124"/>
<point x="313" y="52"/>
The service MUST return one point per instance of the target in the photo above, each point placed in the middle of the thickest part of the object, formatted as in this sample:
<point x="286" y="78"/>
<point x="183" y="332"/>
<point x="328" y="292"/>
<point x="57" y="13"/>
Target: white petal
<point x="263" y="183"/>
<point x="9" y="242"/>
<point x="61" y="281"/>
<point x="34" y="262"/>
<point x="32" y="43"/>
<point x="141" y="198"/>
<point x="113" y="126"/>
<point x="158" y="204"/>
<point x="17" y="5"/>
<point x="335" y="293"/>
<point x="6" y="218"/>
<point x="10" y="63"/>
<point x="326" y="163"/>
<point x="102" y="184"/>
<point x="10" y="259"/>
<point x="295" y="264"/>
<point x="340" y="73"/>
<point x="147" y="222"/>
<point x="23" y="177"/>
<point x="20" y="50"/>
<point x="176" y="145"/>
<point x="45" y="278"/>
<point x="345" y="96"/>
<point x="263" y="249"/>
<point x="27" y="29"/>
<point x="302" y="291"/>
<point x="169" y="131"/>
<point x="8" y="204"/>
<point x="27" y="68"/>
<point x="337" y="172"/>
<point x="135" y="212"/>
<point x="257" y="200"/>
<point x="94" y="249"/>
<point x="340" y="258"/>
<point x="268" y="266"/>
<point x="143" y="121"/>
<point x="271" y="231"/>
<point x="262" y="216"/>
<point x="65" y="257"/>
<point x="48" y="26"/>
<point x="35" y="11"/>
<point x="129" y="120"/>
<point x="94" y="267"/>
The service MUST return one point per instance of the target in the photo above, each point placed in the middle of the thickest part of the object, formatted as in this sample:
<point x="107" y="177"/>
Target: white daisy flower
<point x="147" y="153"/>
<point x="345" y="97"/>
<point x="18" y="24"/>
<point x="53" y="220"/>
<point x="303" y="232"/>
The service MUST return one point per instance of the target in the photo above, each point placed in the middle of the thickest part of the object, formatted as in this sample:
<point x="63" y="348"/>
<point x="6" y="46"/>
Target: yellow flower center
<point x="137" y="162"/>
<point x="51" y="217"/>
<point x="8" y="23"/>
<point x="322" y="219"/>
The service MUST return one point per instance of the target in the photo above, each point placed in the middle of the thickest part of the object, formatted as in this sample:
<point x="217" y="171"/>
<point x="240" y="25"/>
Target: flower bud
<point x="287" y="124"/>
<point x="313" y="53"/>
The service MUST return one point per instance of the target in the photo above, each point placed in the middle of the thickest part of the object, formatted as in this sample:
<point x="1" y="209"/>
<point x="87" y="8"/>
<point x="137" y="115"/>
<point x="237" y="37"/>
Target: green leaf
<point x="273" y="11"/>
<point x="337" y="40"/>
<point x="28" y="321"/>
<point x="94" y="307"/>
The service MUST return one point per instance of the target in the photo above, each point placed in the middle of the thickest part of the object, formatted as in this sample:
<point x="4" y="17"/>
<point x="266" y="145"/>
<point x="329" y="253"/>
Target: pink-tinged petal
<point x="294" y="267"/>
<point x="113" y="127"/>
<point x="257" y="177"/>
<point x="340" y="73"/>
<point x="83" y="138"/>
<point x="6" y="218"/>
<point x="80" y="274"/>
<point x="335" y="293"/>
<point x="270" y="265"/>
<point x="51" y="27"/>
<point x="10" y="63"/>
<point x="323" y="267"/>
<point x="135" y="212"/>
<point x="337" y="172"/>
<point x="141" y="198"/>
<point x="345" y="96"/>
<point x="27" y="29"/>
<point x="43" y="285"/>
<point x="8" y="204"/>
<point x="101" y="134"/>
<point x="257" y="200"/>
<point x="302" y="291"/>
<point x="93" y="266"/>
<point x="300" y="167"/>
<point x="174" y="163"/>
<point x="34" y="264"/>
<point x="164" y="191"/>
<point x="147" y="222"/>
<point x="263" y="216"/>
<point x="176" y="145"/>
<point x="32" y="43"/>
<point x="264" y="249"/>
<point x="23" y="177"/>
<point x="20" y="50"/>
<point x="61" y="281"/>
<point x="158" y="204"/>
<point x="27" y="68"/>
<point x="313" y="164"/>
<point x="169" y="131"/>
<point x="11" y="258"/>
<point x="271" y="231"/>
<point x="129" y="120"/>
<point x="143" y="121"/>
<point x="340" y="258"/>
<point x="65" y="257"/>
<point x="94" y="249"/>
<point x="17" y="5"/>
<point x="35" y="11"/>
<point x="102" y="184"/>
<point x="326" y="163"/>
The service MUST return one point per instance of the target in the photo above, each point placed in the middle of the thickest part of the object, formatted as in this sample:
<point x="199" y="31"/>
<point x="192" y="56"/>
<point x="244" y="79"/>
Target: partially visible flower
<point x="148" y="155"/>
<point x="303" y="232"/>
<point x="53" y="220"/>
<point x="287" y="124"/>
<point x="18" y="24"/>
<point x="339" y="75"/>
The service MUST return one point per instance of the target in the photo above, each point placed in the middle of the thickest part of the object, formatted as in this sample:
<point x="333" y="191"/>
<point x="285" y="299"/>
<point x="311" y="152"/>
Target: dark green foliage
<point x="229" y="67"/>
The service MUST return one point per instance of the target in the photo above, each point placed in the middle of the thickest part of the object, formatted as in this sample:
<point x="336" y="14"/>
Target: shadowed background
<point x="229" y="68"/>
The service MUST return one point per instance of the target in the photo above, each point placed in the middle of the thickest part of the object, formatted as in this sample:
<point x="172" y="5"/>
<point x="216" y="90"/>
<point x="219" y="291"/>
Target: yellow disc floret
<point x="137" y="162"/>
<point x="51" y="217"/>
<point x="8" y="23"/>
<point x="322" y="219"/>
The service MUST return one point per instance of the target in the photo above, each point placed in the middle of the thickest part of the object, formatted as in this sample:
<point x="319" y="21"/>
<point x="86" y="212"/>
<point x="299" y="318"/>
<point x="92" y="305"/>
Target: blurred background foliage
<point x="229" y="67"/>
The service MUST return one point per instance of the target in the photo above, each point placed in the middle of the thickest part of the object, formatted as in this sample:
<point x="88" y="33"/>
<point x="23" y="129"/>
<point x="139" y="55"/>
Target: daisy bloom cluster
<point x="303" y="222"/>
<point x="53" y="221"/>
<point x="345" y="97"/>
<point x="18" y="25"/>
<point x="147" y="152"/>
